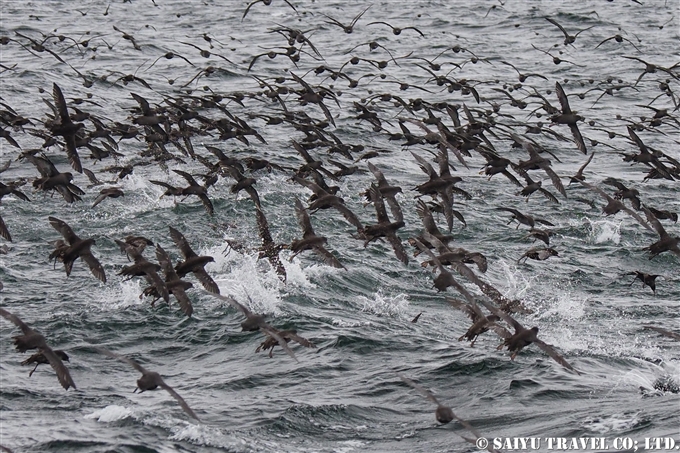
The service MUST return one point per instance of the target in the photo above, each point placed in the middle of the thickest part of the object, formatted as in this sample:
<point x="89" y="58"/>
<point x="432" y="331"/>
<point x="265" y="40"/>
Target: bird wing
<point x="190" y="179"/>
<point x="207" y="204"/>
<point x="72" y="152"/>
<point x="62" y="372"/>
<point x="349" y="215"/>
<point x="562" y="97"/>
<point x="300" y="340"/>
<point x="378" y="175"/>
<point x="16" y="321"/>
<point x="130" y="362"/>
<point x="269" y="330"/>
<point x="664" y="332"/>
<point x="398" y="247"/>
<point x="207" y="281"/>
<point x="471" y="310"/>
<point x="183" y="300"/>
<point x="426" y="393"/>
<point x="378" y="203"/>
<point x="4" y="232"/>
<point x="303" y="219"/>
<point x="63" y="228"/>
<point x="45" y="167"/>
<point x="425" y="166"/>
<point x="179" y="399"/>
<point x="94" y="264"/>
<point x="545" y="166"/>
<point x="655" y="223"/>
<point x="60" y="103"/>
<point x="181" y="243"/>
<point x="234" y="303"/>
<point x="328" y="257"/>
<point x="580" y="144"/>
<point x="552" y="21"/>
<point x="548" y="349"/>
<point x="426" y="217"/>
<point x="504" y="316"/>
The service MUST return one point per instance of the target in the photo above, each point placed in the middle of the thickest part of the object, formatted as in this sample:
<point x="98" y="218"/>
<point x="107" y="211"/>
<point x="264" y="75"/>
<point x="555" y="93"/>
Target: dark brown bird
<point x="243" y="183"/>
<point x="52" y="179"/>
<point x="666" y="242"/>
<point x="150" y="380"/>
<point x="480" y="323"/>
<point x="664" y="214"/>
<point x="347" y="28"/>
<point x="384" y="228"/>
<point x="194" y="188"/>
<point x="624" y="193"/>
<point x="537" y="162"/>
<point x="109" y="192"/>
<point x="568" y="39"/>
<point x="269" y="248"/>
<point x="618" y="38"/>
<point x="430" y="226"/>
<point x="522" y="337"/>
<point x="4" y="232"/>
<point x="579" y="174"/>
<point x="270" y="343"/>
<point x="143" y="268"/>
<point x="445" y="279"/>
<point x="12" y="189"/>
<point x="397" y="30"/>
<point x="310" y="241"/>
<point x="442" y="185"/>
<point x="77" y="248"/>
<point x="535" y="186"/>
<point x="32" y="339"/>
<point x="176" y="286"/>
<point x="524" y="219"/>
<point x="323" y="199"/>
<point x="646" y="279"/>
<point x="266" y="3"/>
<point x="569" y="118"/>
<point x="40" y="359"/>
<point x="256" y="322"/>
<point x="388" y="192"/>
<point x="614" y="206"/>
<point x="539" y="254"/>
<point x="444" y="414"/>
<point x="192" y="262"/>
<point x="66" y="128"/>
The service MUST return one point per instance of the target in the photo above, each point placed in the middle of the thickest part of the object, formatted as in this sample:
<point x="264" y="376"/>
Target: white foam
<point x="240" y="275"/>
<point x="602" y="231"/>
<point x="124" y="295"/>
<point x="615" y="423"/>
<point x="110" y="413"/>
<point x="385" y="305"/>
<point x="349" y="445"/>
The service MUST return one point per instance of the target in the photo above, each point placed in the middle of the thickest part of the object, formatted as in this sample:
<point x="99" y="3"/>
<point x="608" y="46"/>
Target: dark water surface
<point x="343" y="396"/>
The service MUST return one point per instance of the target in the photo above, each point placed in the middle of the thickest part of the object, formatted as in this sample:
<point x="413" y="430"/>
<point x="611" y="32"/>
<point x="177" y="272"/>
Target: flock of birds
<point x="465" y="123"/>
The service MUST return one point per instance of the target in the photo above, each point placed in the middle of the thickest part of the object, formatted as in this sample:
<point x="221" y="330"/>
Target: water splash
<point x="602" y="231"/>
<point x="110" y="414"/>
<point x="385" y="305"/>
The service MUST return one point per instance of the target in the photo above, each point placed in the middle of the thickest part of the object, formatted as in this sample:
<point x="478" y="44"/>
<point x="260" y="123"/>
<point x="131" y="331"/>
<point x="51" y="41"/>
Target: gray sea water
<point x="344" y="395"/>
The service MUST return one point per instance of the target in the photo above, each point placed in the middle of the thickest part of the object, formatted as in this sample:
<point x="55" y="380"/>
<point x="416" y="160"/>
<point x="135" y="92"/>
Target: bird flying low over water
<point x="193" y="263"/>
<point x="75" y="248"/>
<point x="150" y="380"/>
<point x="32" y="339"/>
<point x="522" y="337"/>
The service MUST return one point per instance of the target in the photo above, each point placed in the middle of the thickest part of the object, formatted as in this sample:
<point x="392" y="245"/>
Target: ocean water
<point x="344" y="395"/>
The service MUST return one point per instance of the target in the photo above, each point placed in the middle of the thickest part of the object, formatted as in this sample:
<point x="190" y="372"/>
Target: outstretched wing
<point x="179" y="399"/>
